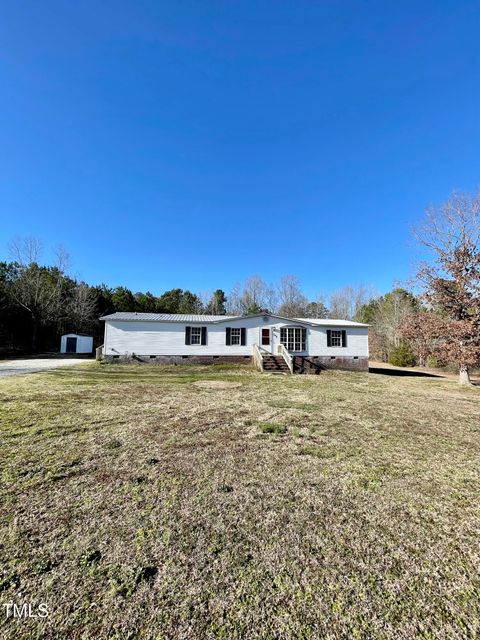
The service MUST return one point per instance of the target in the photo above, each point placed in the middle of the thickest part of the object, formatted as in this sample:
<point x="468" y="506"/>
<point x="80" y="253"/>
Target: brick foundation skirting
<point x="302" y="364"/>
<point x="316" y="364"/>
<point x="134" y="359"/>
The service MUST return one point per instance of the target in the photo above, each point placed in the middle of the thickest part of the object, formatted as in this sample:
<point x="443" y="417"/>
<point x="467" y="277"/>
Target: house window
<point x="196" y="335"/>
<point x="265" y="337"/>
<point x="293" y="338"/>
<point x="235" y="336"/>
<point x="336" y="339"/>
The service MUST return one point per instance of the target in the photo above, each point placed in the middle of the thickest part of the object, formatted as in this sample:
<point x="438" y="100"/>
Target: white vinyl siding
<point x="168" y="338"/>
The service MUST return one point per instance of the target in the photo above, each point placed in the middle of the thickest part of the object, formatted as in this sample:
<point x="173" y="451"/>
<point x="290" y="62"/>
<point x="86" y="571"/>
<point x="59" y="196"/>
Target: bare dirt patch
<point x="216" y="384"/>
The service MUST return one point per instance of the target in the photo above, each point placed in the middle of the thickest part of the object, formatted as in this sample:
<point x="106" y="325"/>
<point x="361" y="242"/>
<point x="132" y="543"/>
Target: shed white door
<point x="71" y="345"/>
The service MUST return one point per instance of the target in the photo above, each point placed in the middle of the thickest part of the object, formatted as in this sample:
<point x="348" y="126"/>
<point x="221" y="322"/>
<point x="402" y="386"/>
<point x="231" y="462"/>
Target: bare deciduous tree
<point x="26" y="251"/>
<point x="37" y="289"/>
<point x="233" y="306"/>
<point x="82" y="307"/>
<point x="345" y="303"/>
<point x="293" y="303"/>
<point x="256" y="295"/>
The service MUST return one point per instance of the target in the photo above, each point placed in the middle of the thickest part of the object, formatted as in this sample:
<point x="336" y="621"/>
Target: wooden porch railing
<point x="257" y="357"/>
<point x="282" y="351"/>
<point x="99" y="352"/>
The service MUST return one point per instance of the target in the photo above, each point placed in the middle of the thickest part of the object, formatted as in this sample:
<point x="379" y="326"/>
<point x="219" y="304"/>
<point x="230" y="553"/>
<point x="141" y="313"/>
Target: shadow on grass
<point x="403" y="373"/>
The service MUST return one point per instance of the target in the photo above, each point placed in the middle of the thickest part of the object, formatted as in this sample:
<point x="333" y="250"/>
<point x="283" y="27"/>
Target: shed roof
<point x="76" y="335"/>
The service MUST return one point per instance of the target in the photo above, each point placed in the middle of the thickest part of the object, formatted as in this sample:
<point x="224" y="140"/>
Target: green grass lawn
<point x="137" y="503"/>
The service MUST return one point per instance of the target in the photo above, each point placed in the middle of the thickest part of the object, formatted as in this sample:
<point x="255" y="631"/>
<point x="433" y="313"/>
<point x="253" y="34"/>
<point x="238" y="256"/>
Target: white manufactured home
<point x="273" y="343"/>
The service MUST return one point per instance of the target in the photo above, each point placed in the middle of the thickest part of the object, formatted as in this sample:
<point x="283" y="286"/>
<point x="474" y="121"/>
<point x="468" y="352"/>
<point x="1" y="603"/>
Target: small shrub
<point x="146" y="574"/>
<point x="402" y="356"/>
<point x="7" y="582"/>
<point x="113" y="444"/>
<point x="437" y="363"/>
<point x="90" y="558"/>
<point x="43" y="566"/>
<point x="271" y="427"/>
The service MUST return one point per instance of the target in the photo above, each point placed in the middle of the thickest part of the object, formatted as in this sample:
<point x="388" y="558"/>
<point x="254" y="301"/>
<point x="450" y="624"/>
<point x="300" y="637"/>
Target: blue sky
<point x="194" y="143"/>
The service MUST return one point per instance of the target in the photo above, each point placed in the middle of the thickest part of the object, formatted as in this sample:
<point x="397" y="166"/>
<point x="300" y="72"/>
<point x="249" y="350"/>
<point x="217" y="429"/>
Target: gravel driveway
<point x="22" y="366"/>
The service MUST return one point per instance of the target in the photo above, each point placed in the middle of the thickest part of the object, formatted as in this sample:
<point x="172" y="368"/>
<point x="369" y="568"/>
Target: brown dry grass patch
<point x="137" y="506"/>
<point x="216" y="384"/>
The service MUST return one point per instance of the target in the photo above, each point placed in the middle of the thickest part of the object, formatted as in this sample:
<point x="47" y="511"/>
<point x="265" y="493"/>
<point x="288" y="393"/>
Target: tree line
<point x="39" y="303"/>
<point x="438" y="323"/>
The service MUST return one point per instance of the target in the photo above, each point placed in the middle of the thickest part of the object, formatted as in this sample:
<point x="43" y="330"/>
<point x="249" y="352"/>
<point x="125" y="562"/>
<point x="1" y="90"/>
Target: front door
<point x="266" y="339"/>
<point x="71" y="345"/>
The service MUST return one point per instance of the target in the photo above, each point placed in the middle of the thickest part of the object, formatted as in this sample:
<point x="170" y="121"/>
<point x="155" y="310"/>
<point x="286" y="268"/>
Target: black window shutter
<point x="228" y="333"/>
<point x="329" y="337"/>
<point x="344" y="338"/>
<point x="243" y="338"/>
<point x="304" y="339"/>
<point x="204" y="335"/>
<point x="187" y="335"/>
